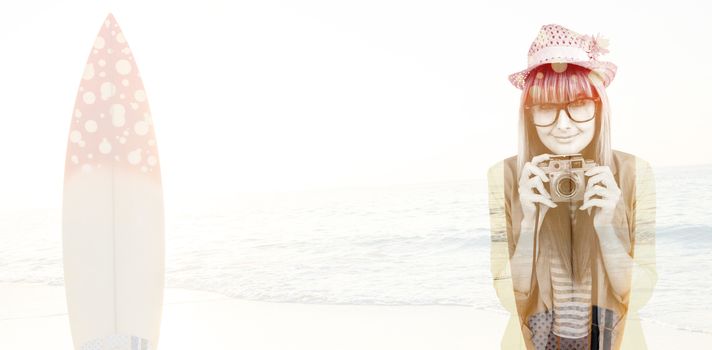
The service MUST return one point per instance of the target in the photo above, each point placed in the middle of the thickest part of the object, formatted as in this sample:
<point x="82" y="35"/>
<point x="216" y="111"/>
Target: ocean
<point x="424" y="244"/>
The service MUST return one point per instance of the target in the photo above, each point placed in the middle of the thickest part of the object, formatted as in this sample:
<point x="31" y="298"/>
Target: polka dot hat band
<point x="556" y="44"/>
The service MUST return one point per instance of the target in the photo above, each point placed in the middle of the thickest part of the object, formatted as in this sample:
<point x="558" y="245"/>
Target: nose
<point x="562" y="120"/>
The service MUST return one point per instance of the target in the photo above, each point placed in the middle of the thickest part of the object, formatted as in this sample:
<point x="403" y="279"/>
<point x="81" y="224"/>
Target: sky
<point x="260" y="96"/>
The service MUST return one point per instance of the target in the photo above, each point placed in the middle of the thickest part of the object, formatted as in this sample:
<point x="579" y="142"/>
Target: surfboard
<point x="112" y="216"/>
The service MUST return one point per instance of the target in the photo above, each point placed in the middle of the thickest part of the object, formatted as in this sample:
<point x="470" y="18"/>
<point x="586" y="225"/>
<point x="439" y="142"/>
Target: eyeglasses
<point x="580" y="111"/>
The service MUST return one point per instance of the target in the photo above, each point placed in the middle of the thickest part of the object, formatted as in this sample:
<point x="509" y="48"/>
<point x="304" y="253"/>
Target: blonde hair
<point x="546" y="84"/>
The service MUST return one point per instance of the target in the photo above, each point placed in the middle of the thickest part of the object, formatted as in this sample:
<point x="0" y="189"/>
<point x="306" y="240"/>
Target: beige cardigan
<point x="635" y="227"/>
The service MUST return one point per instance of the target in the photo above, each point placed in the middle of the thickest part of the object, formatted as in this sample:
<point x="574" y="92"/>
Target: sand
<point x="35" y="317"/>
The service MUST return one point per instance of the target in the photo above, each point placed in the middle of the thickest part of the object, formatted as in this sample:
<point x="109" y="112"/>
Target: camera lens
<point x="566" y="187"/>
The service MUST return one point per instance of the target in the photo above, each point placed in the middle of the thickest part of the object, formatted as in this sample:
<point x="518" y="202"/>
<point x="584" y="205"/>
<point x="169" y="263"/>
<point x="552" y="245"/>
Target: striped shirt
<point x="572" y="300"/>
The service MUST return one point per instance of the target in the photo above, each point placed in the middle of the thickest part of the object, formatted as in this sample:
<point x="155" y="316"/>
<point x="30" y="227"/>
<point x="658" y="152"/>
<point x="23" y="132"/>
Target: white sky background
<point x="290" y="95"/>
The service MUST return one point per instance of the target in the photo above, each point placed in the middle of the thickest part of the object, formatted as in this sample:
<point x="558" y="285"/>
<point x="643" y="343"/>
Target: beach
<point x="403" y="267"/>
<point x="34" y="316"/>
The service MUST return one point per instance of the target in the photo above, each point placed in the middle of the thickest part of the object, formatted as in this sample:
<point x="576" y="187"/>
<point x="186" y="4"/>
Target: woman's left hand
<point x="602" y="184"/>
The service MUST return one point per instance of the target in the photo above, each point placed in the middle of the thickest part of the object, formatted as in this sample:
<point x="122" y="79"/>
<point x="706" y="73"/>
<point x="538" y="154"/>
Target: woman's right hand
<point x="533" y="178"/>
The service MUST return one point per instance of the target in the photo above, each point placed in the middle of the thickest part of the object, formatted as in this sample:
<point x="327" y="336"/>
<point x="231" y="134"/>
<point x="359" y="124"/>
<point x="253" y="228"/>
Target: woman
<point x="572" y="220"/>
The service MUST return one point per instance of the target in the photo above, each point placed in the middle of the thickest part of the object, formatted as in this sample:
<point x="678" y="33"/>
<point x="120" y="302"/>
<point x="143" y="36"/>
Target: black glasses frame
<point x="565" y="106"/>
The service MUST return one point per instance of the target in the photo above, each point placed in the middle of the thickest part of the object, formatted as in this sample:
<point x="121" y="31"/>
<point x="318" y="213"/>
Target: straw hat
<point x="556" y="44"/>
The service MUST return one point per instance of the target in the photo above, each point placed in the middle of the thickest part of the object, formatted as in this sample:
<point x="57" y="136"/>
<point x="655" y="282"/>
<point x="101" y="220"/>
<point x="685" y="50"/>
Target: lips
<point x="565" y="138"/>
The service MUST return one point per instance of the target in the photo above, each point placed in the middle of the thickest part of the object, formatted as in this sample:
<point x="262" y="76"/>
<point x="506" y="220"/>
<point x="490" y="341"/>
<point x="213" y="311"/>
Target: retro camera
<point x="567" y="182"/>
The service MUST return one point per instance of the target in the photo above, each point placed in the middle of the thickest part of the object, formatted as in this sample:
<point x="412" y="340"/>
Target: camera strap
<point x="540" y="218"/>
